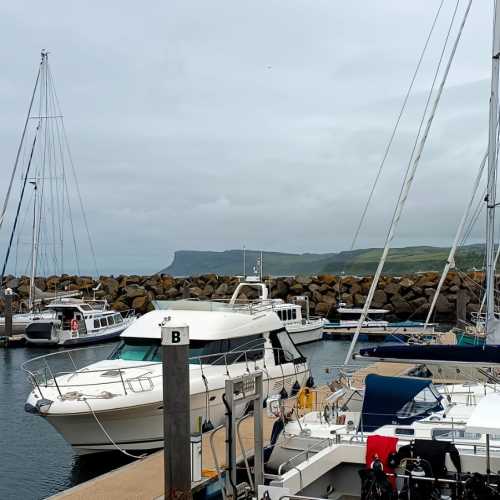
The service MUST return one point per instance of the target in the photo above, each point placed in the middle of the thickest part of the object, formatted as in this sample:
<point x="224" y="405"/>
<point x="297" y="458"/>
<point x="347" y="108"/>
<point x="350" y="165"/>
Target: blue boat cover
<point x="390" y="400"/>
<point x="436" y="352"/>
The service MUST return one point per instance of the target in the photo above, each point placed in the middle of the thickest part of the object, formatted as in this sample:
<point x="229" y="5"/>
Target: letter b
<point x="176" y="337"/>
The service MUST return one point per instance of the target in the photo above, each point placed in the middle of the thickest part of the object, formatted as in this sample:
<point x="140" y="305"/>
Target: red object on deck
<point x="381" y="447"/>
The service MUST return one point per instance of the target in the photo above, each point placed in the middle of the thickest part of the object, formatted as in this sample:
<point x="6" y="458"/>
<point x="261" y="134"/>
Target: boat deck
<point x="144" y="478"/>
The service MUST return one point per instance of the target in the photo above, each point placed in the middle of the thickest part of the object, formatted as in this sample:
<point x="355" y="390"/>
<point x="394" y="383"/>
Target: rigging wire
<point x="73" y="170"/>
<point x="16" y="162"/>
<point x="409" y="177"/>
<point x="395" y="128"/>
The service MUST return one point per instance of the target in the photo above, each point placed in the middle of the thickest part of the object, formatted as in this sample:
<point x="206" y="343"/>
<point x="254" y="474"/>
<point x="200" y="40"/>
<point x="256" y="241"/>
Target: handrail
<point x="307" y="451"/>
<point x="41" y="379"/>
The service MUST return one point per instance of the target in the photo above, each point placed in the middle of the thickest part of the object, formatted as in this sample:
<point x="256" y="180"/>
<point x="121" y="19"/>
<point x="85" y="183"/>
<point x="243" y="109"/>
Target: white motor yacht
<point x="301" y="330"/>
<point x="118" y="401"/>
<point x="70" y="321"/>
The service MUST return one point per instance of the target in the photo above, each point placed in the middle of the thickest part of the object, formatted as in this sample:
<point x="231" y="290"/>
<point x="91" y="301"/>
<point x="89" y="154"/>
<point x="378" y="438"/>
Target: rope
<point x="125" y="452"/>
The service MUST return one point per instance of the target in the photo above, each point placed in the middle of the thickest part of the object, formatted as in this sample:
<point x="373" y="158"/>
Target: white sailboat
<point x="43" y="158"/>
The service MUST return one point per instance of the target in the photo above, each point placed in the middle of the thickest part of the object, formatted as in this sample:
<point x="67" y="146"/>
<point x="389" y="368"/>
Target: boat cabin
<point x="217" y="337"/>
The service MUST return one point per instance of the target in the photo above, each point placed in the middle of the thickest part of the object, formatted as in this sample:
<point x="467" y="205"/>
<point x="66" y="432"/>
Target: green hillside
<point x="359" y="262"/>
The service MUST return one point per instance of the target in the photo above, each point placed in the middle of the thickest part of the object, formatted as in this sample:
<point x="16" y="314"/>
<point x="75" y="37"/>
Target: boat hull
<point x="141" y="427"/>
<point x="480" y="354"/>
<point x="69" y="338"/>
<point x="306" y="334"/>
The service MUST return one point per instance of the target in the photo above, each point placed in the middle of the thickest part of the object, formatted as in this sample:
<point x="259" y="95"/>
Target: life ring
<point x="74" y="325"/>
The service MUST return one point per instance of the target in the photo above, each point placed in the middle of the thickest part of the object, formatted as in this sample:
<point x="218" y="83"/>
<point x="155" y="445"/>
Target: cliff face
<point x="405" y="297"/>
<point x="361" y="262"/>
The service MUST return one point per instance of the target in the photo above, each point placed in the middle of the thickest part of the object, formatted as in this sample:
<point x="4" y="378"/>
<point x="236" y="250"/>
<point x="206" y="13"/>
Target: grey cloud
<point x="209" y="125"/>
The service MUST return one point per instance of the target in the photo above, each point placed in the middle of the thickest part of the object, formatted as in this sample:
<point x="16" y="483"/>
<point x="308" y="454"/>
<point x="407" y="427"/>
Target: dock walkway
<point x="143" y="479"/>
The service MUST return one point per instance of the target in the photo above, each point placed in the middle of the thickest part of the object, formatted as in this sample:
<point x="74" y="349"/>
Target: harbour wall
<point x="406" y="297"/>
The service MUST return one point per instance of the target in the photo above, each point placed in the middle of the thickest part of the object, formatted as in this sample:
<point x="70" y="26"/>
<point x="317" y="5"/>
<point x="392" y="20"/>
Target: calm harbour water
<point x="35" y="462"/>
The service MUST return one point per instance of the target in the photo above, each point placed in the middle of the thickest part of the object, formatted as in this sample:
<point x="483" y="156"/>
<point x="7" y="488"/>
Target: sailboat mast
<point x="34" y="251"/>
<point x="492" y="174"/>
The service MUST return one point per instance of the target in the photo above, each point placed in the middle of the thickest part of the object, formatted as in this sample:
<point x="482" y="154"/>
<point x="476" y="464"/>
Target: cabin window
<point x="133" y="349"/>
<point x="285" y="351"/>
<point x="111" y="320"/>
<point x="104" y="322"/>
<point x="278" y="312"/>
<point x="294" y="313"/>
<point x="118" y="318"/>
<point x="452" y="434"/>
<point x="137" y="350"/>
<point x="402" y="431"/>
<point x="218" y="352"/>
<point x="97" y="324"/>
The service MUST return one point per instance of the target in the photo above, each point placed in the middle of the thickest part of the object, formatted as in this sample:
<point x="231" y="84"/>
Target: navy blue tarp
<point x="435" y="352"/>
<point x="390" y="400"/>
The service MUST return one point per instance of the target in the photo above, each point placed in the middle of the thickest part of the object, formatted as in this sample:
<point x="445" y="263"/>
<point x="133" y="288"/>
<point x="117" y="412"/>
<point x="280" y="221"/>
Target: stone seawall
<point x="405" y="297"/>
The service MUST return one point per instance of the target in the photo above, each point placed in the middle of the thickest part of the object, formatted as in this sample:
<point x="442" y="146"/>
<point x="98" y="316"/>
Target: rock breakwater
<point x="405" y="297"/>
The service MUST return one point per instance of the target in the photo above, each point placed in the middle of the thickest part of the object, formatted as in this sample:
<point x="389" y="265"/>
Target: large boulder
<point x="443" y="305"/>
<point x="12" y="283"/>
<point x="172" y="293"/>
<point x="142" y="305"/>
<point x="406" y="283"/>
<point x="221" y="290"/>
<point x="379" y="299"/>
<point x="297" y="289"/>
<point x="328" y="279"/>
<point x="322" y="308"/>
<point x="392" y="288"/>
<point x="331" y="299"/>
<point x="134" y="290"/>
<point x="118" y="305"/>
<point x="303" y="280"/>
<point x="281" y="289"/>
<point x="359" y="300"/>
<point x="401" y="306"/>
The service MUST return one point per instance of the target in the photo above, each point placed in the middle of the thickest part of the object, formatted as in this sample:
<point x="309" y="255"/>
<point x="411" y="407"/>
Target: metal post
<point x="8" y="312"/>
<point x="239" y="392"/>
<point x="176" y="410"/>
<point x="231" y="489"/>
<point x="488" y="464"/>
<point x="257" y="432"/>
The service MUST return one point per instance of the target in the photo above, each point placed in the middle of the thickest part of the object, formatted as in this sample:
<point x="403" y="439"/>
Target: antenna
<point x="244" y="262"/>
<point x="261" y="265"/>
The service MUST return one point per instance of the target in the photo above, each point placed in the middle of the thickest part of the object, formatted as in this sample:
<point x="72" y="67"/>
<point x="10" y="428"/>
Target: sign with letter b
<point x="172" y="335"/>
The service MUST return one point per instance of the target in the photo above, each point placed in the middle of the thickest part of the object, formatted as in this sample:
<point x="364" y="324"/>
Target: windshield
<point x="137" y="350"/>
<point x="248" y="348"/>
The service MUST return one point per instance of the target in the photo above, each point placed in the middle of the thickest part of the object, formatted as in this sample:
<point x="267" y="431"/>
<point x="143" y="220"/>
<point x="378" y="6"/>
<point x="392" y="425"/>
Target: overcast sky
<point x="215" y="124"/>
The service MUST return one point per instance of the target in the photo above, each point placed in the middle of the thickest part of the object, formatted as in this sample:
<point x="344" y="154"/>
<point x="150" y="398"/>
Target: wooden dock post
<point x="176" y="411"/>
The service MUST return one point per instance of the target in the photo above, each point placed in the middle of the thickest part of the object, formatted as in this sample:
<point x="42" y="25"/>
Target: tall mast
<point x="492" y="175"/>
<point x="34" y="250"/>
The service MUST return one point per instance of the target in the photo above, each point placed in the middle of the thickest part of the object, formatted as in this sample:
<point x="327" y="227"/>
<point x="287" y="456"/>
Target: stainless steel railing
<point x="48" y="370"/>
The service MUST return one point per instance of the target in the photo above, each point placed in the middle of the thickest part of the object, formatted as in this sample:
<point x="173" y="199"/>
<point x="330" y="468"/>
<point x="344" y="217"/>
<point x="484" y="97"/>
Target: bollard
<point x="176" y="410"/>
